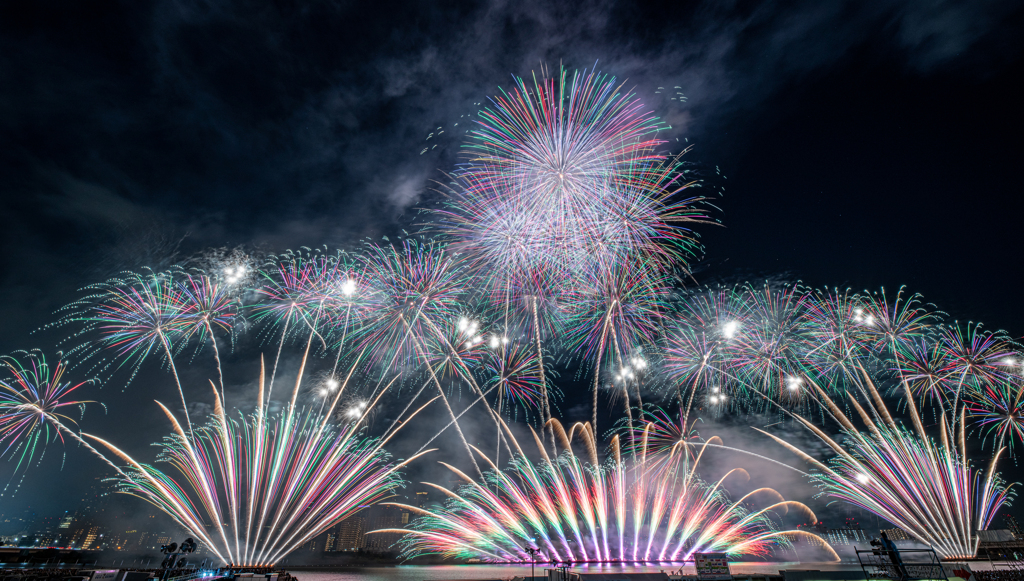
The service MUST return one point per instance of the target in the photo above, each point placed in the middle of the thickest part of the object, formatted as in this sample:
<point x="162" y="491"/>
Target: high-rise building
<point x="92" y="538"/>
<point x="351" y="534"/>
<point x="66" y="520"/>
<point x="847" y="536"/>
<point x="385" y="517"/>
<point x="897" y="534"/>
<point x="1011" y="524"/>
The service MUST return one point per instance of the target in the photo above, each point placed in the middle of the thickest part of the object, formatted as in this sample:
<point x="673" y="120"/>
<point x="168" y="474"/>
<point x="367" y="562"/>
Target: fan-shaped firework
<point x="255" y="488"/>
<point x="928" y="489"/>
<point x="572" y="510"/>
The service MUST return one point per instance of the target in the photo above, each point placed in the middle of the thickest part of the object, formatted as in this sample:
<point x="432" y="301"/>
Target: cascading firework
<point x="641" y="509"/>
<point x="255" y="488"/>
<point x="928" y="489"/>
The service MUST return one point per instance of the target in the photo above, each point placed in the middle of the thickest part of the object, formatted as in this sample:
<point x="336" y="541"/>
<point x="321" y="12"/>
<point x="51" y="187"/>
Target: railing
<point x="193" y="574"/>
<point x="904" y="565"/>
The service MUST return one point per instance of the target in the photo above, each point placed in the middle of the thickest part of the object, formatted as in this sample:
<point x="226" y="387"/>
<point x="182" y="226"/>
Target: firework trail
<point x="615" y="316"/>
<point x="573" y="509"/>
<point x="255" y="488"/>
<point x="207" y="304"/>
<point x="926" y="488"/>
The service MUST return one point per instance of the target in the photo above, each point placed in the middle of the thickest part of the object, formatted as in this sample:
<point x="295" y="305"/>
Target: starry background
<point x="859" y="144"/>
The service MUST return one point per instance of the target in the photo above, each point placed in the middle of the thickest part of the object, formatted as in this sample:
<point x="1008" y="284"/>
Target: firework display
<point x="562" y="248"/>
<point x="34" y="400"/>
<point x="926" y="488"/>
<point x="644" y="509"/>
<point x="751" y="346"/>
<point x="563" y="177"/>
<point x="564" y="192"/>
<point x="252" y="489"/>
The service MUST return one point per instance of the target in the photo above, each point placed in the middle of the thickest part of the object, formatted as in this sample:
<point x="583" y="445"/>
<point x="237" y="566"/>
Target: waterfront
<point x="490" y="572"/>
<point x="471" y="572"/>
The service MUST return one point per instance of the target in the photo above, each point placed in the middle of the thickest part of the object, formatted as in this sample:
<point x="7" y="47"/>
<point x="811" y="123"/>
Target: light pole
<point x="533" y="559"/>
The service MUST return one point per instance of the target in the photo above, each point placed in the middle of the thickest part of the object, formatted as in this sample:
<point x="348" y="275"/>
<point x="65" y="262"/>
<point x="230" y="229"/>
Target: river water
<point x="470" y="572"/>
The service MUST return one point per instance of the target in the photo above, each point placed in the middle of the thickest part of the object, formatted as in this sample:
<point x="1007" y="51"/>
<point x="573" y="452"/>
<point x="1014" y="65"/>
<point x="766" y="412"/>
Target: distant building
<point x="897" y="534"/>
<point x="92" y="538"/>
<point x="385" y="517"/>
<point x="1012" y="526"/>
<point x="351" y="534"/>
<point x="845" y="536"/>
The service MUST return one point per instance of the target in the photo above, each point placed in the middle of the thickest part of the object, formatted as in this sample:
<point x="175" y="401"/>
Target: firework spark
<point x="573" y="509"/>
<point x="926" y="488"/>
<point x="34" y="398"/>
<point x="255" y="488"/>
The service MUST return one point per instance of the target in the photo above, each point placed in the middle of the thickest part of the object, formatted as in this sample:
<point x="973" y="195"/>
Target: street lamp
<point x="533" y="559"/>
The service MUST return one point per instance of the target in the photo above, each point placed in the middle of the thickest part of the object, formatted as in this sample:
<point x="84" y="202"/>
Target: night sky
<point x="859" y="144"/>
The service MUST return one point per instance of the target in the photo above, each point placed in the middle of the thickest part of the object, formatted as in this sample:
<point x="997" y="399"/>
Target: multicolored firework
<point x="135" y="315"/>
<point x="34" y="398"/>
<point x="420" y="285"/>
<point x="926" y="488"/>
<point x="563" y="177"/>
<point x="564" y="191"/>
<point x="999" y="410"/>
<point x="572" y="509"/>
<point x="612" y="318"/>
<point x="255" y="488"/>
<point x="754" y="343"/>
<point x="208" y="304"/>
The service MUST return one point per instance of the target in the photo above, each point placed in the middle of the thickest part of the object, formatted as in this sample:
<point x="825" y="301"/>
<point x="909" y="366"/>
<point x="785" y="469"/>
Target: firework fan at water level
<point x="926" y="488"/>
<point x="573" y="509"/>
<point x="255" y="488"/>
